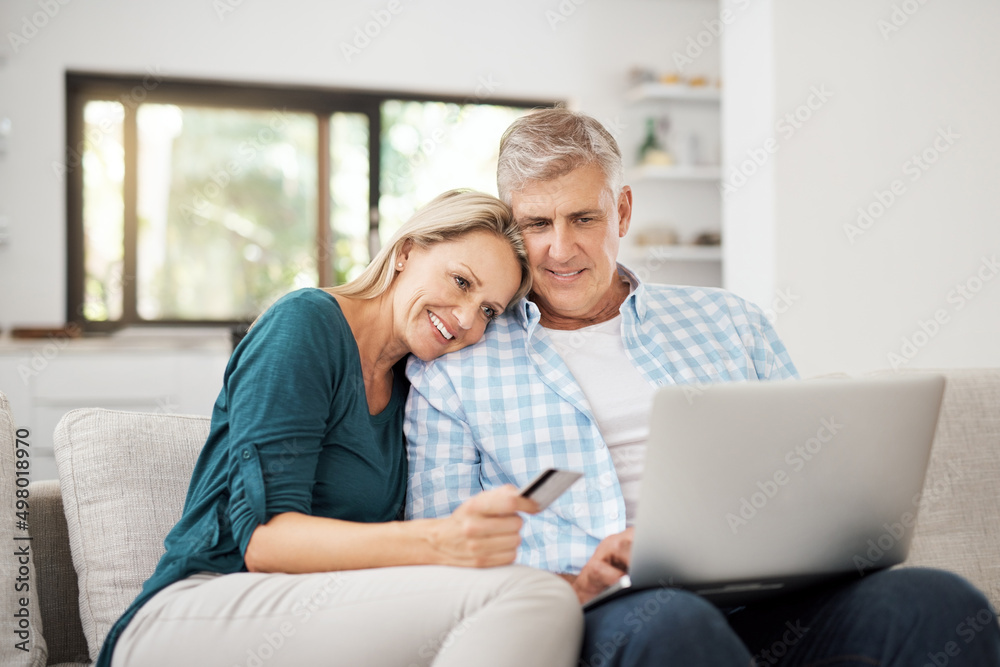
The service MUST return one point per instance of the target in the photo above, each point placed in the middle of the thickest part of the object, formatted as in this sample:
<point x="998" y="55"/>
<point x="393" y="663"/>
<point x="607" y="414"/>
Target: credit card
<point x="549" y="485"/>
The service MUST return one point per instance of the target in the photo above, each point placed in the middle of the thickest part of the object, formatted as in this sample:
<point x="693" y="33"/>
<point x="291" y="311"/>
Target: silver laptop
<point x="756" y="488"/>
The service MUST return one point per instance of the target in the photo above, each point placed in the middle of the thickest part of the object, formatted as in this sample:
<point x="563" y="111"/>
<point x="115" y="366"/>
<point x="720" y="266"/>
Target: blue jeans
<point x="909" y="617"/>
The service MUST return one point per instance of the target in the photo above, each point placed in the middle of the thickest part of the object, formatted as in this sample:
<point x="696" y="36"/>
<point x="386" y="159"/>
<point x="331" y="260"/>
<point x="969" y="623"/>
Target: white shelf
<point x="691" y="112"/>
<point x="676" y="173"/>
<point x="687" y="253"/>
<point x="673" y="91"/>
<point x="128" y="341"/>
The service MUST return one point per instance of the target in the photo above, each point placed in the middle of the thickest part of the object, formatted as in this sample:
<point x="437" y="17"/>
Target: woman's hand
<point x="483" y="532"/>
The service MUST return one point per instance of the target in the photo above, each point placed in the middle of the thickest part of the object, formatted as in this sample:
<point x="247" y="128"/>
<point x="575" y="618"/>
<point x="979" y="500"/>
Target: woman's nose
<point x="465" y="315"/>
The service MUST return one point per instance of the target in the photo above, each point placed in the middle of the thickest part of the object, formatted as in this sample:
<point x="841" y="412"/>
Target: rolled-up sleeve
<point x="279" y="389"/>
<point x="770" y="356"/>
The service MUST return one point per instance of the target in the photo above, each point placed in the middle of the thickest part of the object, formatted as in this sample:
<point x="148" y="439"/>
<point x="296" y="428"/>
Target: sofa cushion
<point x="124" y="476"/>
<point x="21" y="640"/>
<point x="958" y="523"/>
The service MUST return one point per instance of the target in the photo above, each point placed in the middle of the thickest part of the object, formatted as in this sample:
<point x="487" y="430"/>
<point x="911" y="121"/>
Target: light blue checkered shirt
<point x="501" y="411"/>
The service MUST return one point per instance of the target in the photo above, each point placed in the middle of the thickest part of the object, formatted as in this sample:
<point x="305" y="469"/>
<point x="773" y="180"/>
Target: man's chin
<point x="557" y="302"/>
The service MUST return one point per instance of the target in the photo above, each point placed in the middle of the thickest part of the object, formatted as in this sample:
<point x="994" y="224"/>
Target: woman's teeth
<point x="440" y="325"/>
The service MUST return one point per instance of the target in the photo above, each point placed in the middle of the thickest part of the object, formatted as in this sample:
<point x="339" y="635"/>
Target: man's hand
<point x="484" y="531"/>
<point x="609" y="562"/>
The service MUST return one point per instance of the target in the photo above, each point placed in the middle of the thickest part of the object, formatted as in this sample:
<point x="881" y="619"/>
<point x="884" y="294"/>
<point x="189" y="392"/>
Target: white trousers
<point x="509" y="616"/>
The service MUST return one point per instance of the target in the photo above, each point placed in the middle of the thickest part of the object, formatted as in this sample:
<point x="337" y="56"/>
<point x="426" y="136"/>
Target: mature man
<point x="565" y="380"/>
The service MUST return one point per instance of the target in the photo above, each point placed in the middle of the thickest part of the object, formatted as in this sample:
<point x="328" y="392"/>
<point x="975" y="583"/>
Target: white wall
<point x="854" y="301"/>
<point x="850" y="306"/>
<point x="748" y="125"/>
<point x="578" y="50"/>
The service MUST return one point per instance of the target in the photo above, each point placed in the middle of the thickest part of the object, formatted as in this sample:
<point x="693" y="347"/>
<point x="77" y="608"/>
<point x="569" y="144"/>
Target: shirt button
<point x="246" y="454"/>
<point x="613" y="514"/>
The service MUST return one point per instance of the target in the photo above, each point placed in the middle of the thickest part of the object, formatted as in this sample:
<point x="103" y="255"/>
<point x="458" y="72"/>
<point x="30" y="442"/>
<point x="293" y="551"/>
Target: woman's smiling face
<point x="446" y="293"/>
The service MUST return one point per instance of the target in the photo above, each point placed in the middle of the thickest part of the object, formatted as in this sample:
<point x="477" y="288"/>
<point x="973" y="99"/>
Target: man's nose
<point x="561" y="247"/>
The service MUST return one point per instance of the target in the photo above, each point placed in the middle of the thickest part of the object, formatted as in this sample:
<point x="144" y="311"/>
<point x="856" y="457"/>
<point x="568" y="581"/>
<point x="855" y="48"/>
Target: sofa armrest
<point x="58" y="595"/>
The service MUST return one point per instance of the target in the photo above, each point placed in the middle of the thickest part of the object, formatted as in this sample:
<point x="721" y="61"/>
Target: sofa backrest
<point x="142" y="475"/>
<point x="123" y="477"/>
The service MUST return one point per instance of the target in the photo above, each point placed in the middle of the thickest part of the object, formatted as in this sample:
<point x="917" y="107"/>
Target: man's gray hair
<point x="550" y="143"/>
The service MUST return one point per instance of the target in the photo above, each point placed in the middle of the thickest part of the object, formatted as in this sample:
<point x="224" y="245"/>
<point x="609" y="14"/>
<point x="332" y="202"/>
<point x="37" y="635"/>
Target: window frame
<point x="133" y="90"/>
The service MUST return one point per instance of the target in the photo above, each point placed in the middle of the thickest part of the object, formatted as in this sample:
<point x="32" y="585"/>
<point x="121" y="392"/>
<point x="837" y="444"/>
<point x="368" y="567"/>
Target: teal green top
<point x="290" y="433"/>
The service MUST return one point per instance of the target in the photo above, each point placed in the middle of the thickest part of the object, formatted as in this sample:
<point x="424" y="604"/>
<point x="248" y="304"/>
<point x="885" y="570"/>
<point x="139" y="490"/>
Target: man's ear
<point x="624" y="210"/>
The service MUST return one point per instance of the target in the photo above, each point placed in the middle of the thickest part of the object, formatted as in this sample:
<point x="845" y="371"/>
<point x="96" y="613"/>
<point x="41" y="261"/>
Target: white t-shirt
<point x="619" y="397"/>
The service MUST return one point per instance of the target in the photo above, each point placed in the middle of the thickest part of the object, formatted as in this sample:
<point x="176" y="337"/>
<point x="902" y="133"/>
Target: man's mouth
<point x="570" y="274"/>
<point x="440" y="325"/>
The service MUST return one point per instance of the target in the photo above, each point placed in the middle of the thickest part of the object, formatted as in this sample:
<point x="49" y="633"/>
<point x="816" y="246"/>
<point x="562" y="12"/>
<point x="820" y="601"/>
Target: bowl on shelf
<point x="656" y="236"/>
<point x="708" y="238"/>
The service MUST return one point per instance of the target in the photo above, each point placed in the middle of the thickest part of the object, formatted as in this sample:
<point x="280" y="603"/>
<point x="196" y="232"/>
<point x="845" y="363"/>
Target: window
<point x="198" y="202"/>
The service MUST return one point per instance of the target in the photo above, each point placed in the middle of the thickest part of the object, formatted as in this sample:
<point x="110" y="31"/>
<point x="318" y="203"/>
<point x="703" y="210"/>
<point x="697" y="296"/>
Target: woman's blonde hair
<point x="447" y="217"/>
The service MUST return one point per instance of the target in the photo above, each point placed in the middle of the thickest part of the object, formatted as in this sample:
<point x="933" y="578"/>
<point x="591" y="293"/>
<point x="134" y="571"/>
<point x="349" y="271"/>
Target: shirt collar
<point x="636" y="299"/>
<point x="527" y="315"/>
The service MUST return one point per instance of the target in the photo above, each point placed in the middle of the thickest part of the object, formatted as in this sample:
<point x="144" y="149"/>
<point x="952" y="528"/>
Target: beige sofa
<point x="97" y="533"/>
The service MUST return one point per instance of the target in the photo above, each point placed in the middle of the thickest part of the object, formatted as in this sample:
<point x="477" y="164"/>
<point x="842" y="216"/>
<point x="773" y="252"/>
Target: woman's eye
<point x="490" y="313"/>
<point x="461" y="282"/>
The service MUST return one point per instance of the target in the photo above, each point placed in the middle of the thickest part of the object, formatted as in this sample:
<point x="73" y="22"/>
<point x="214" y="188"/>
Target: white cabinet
<point x="43" y="380"/>
<point x="674" y="204"/>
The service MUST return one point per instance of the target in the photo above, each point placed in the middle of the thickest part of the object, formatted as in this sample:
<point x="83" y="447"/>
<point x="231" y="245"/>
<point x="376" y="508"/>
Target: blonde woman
<point x="288" y="551"/>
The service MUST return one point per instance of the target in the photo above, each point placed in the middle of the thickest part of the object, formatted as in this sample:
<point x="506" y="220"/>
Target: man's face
<point x="572" y="227"/>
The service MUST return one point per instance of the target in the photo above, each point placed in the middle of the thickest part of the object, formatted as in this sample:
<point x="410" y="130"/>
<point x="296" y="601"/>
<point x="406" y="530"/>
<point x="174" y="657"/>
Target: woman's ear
<point x="404" y="252"/>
